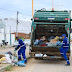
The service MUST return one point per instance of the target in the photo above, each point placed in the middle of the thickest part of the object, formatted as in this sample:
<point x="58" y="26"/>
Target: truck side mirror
<point x="31" y="19"/>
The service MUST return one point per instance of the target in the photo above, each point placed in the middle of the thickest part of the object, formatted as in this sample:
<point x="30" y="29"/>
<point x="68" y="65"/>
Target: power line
<point x="14" y="12"/>
<point x="4" y="15"/>
<point x="7" y="10"/>
<point x="24" y="14"/>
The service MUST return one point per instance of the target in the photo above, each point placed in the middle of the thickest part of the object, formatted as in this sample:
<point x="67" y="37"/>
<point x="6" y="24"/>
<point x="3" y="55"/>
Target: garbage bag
<point x="59" y="43"/>
<point x="53" y="41"/>
<point x="57" y="38"/>
<point x="43" y="45"/>
<point x="52" y="37"/>
<point x="41" y="42"/>
<point x="8" y="58"/>
<point x="36" y="42"/>
<point x="5" y="60"/>
<point x="38" y="55"/>
<point x="45" y="55"/>
<point x="14" y="59"/>
<point x="52" y="44"/>
<point x="9" y="52"/>
<point x="21" y="63"/>
<point x="43" y="38"/>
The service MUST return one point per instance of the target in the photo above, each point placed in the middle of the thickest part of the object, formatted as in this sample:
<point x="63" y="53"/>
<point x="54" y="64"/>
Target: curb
<point x="6" y="47"/>
<point x="2" y="69"/>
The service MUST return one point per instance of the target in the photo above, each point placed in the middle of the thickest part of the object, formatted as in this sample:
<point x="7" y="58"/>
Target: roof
<point x="24" y="35"/>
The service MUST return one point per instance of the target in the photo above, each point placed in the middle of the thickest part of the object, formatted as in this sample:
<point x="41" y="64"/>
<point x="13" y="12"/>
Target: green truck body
<point x="49" y="23"/>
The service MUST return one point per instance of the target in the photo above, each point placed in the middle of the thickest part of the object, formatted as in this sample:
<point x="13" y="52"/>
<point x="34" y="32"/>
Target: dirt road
<point x="3" y="51"/>
<point x="51" y="65"/>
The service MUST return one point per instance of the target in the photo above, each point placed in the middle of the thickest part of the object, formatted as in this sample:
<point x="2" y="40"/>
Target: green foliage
<point x="28" y="58"/>
<point x="9" y="68"/>
<point x="20" y="38"/>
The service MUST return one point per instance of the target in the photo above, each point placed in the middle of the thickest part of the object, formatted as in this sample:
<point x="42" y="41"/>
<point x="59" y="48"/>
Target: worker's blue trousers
<point x="22" y="51"/>
<point x="63" y="54"/>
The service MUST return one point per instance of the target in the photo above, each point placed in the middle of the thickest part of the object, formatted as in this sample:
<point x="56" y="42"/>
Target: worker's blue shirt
<point x="65" y="43"/>
<point x="21" y="44"/>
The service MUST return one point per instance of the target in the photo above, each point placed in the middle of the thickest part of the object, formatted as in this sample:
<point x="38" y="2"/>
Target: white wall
<point x="7" y="38"/>
<point x="12" y="38"/>
<point x="1" y="37"/>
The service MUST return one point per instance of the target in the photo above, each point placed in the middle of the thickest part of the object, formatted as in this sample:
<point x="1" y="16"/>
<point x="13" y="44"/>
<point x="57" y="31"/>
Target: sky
<point x="8" y="8"/>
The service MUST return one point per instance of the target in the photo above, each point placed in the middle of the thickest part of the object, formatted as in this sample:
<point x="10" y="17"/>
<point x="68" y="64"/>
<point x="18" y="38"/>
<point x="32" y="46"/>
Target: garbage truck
<point x="49" y="23"/>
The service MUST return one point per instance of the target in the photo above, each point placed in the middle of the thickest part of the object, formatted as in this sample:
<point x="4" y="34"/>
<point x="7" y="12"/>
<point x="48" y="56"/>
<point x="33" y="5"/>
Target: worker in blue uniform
<point x="22" y="47"/>
<point x="64" y="48"/>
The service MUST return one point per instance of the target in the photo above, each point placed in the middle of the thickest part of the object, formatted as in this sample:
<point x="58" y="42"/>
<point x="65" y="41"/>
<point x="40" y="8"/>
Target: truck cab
<point x="49" y="23"/>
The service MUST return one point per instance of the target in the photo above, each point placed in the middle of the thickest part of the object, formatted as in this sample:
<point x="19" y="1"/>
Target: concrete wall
<point x="7" y="38"/>
<point x="1" y="37"/>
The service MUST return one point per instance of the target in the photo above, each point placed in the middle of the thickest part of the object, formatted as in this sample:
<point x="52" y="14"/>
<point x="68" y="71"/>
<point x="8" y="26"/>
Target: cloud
<point x="25" y="6"/>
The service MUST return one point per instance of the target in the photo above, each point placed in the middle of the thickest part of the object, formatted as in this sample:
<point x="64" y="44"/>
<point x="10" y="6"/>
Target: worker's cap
<point x="64" y="35"/>
<point x="17" y="37"/>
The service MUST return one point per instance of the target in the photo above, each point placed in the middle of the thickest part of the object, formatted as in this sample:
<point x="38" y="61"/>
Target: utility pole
<point x="52" y="4"/>
<point x="4" y="33"/>
<point x="10" y="35"/>
<point x="4" y="29"/>
<point x="17" y="24"/>
<point x="32" y="8"/>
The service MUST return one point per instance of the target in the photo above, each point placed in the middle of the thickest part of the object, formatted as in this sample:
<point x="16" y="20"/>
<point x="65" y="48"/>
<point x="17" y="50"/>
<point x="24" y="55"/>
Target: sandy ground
<point x="3" y="51"/>
<point x="51" y="65"/>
